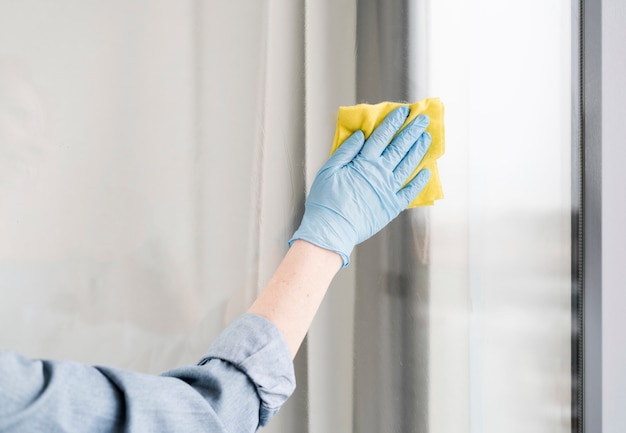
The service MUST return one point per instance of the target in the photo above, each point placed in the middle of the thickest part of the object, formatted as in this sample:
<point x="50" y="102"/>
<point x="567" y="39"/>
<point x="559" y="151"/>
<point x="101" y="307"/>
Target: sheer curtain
<point x="98" y="206"/>
<point x="151" y="173"/>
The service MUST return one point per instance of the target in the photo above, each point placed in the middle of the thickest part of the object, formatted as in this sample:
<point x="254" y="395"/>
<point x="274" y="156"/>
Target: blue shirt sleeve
<point x="239" y="384"/>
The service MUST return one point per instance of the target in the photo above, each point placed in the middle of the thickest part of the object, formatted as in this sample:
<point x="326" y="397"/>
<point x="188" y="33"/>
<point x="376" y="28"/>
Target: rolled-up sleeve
<point x="239" y="384"/>
<point x="252" y="346"/>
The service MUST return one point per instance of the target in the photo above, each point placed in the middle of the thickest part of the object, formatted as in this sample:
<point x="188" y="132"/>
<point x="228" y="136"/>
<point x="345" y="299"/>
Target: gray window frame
<point x="587" y="216"/>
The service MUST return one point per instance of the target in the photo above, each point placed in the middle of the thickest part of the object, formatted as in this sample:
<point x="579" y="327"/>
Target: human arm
<point x="294" y="293"/>
<point x="358" y="191"/>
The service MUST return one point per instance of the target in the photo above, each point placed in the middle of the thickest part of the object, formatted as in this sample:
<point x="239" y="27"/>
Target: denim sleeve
<point x="238" y="385"/>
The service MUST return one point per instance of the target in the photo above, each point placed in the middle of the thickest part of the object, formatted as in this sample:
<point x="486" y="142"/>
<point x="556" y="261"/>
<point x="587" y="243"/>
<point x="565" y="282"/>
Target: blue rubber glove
<point x="360" y="188"/>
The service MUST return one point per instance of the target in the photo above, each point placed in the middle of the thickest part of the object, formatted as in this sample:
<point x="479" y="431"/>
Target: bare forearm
<point x="294" y="293"/>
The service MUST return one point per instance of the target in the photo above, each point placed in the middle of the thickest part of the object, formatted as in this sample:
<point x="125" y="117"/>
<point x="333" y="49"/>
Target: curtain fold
<point x="330" y="31"/>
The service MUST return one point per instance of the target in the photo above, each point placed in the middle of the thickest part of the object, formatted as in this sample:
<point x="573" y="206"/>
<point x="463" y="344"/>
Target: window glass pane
<point x="500" y="240"/>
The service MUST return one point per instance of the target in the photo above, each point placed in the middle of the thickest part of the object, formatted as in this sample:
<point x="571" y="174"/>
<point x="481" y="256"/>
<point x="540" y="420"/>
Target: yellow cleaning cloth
<point x="367" y="117"/>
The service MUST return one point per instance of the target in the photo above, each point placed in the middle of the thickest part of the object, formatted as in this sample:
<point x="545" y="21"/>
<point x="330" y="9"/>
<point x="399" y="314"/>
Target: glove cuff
<point x="317" y="228"/>
<point x="298" y="235"/>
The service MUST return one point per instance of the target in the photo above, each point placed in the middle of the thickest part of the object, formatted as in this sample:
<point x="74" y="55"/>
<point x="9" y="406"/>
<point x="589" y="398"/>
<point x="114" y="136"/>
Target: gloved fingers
<point x="382" y="135"/>
<point x="347" y="151"/>
<point x="412" y="159"/>
<point x="400" y="146"/>
<point x="407" y="194"/>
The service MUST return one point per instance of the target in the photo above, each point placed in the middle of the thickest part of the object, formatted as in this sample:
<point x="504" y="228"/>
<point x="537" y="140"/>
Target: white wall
<point x="613" y="215"/>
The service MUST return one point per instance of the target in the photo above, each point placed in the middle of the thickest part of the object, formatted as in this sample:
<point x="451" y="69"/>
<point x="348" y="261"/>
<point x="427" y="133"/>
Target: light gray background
<point x="613" y="215"/>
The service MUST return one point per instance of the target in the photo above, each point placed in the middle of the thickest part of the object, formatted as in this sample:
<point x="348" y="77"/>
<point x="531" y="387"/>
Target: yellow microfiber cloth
<point x="367" y="117"/>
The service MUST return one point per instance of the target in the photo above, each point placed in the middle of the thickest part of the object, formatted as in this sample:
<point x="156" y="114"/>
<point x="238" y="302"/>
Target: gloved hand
<point x="360" y="188"/>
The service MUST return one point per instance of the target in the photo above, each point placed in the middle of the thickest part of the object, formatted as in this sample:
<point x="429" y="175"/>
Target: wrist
<point x="325" y="258"/>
